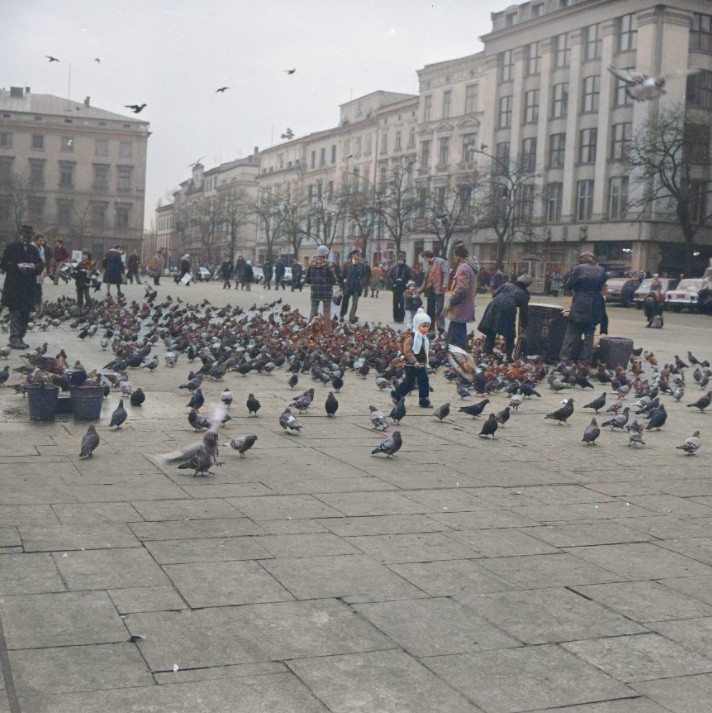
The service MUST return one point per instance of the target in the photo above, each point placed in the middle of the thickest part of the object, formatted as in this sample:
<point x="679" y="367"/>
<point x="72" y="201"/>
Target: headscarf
<point x="420" y="340"/>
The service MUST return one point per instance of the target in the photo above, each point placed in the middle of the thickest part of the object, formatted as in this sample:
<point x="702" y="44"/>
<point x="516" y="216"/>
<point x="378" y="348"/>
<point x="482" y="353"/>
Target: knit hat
<point x="420" y="340"/>
<point x="421" y="317"/>
<point x="322" y="251"/>
<point x="524" y="280"/>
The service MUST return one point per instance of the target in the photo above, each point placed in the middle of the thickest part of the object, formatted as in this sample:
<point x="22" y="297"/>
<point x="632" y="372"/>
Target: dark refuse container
<point x="64" y="403"/>
<point x="42" y="403"/>
<point x="614" y="351"/>
<point x="545" y="331"/>
<point x="86" y="403"/>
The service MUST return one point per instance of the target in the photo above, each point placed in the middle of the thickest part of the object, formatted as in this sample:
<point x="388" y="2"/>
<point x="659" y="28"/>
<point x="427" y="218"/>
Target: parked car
<point x="259" y="275"/>
<point x="685" y="294"/>
<point x="287" y="276"/>
<point x="667" y="283"/>
<point x="202" y="274"/>
<point x="619" y="290"/>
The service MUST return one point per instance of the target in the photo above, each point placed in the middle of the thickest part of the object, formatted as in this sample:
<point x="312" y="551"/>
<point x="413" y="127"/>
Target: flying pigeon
<point x="51" y="59"/>
<point x="119" y="415"/>
<point x="243" y="444"/>
<point x="221" y="90"/>
<point x="390" y="446"/>
<point x="291" y="71"/>
<point x="89" y="443"/>
<point x="643" y="87"/>
<point x="378" y="419"/>
<point x="204" y="456"/>
<point x="591" y="433"/>
<point x="135" y="108"/>
<point x="691" y="445"/>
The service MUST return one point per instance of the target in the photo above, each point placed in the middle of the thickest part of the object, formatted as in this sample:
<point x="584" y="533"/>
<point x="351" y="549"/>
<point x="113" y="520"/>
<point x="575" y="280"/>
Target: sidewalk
<point x="527" y="573"/>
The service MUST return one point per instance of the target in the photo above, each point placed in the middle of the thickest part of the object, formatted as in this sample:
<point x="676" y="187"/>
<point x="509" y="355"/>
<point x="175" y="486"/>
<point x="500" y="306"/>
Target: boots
<point x="425" y="403"/>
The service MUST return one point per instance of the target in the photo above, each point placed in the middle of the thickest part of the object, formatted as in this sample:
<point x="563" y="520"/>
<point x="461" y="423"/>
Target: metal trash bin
<point x="545" y="331"/>
<point x="614" y="351"/>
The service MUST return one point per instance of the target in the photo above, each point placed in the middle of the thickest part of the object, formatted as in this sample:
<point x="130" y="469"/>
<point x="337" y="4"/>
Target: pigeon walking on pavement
<point x="489" y="427"/>
<point x="564" y="413"/>
<point x="474" y="409"/>
<point x="398" y="411"/>
<point x="137" y="397"/>
<point x="242" y="444"/>
<point x="390" y="446"/>
<point x="598" y="403"/>
<point x="196" y="400"/>
<point x="691" y="444"/>
<point x="703" y="402"/>
<point x="378" y="419"/>
<point x="289" y="423"/>
<point x="619" y="421"/>
<point x="442" y="411"/>
<point x="591" y="433"/>
<point x="89" y="443"/>
<point x="332" y="404"/>
<point x="253" y="405"/>
<point x="118" y="416"/>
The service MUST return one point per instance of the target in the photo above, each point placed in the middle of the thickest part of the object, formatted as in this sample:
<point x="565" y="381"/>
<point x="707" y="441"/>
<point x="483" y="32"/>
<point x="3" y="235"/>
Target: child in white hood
<point x="416" y="346"/>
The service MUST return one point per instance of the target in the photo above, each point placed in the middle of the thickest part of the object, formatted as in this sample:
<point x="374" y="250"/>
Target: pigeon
<point x="293" y="380"/>
<point x="642" y="87"/>
<point x="474" y="409"/>
<point x="591" y="433"/>
<point x="152" y="364"/>
<point x="197" y="421"/>
<point x="89" y="442"/>
<point x="489" y="427"/>
<point x="703" y="402"/>
<point x="398" y="411"/>
<point x="51" y="59"/>
<point x="442" y="411"/>
<point x="515" y="402"/>
<point x="657" y="420"/>
<point x="135" y="108"/>
<point x="196" y="400"/>
<point x="221" y="90"/>
<point x="119" y="415"/>
<point x="288" y="71"/>
<point x="192" y="383"/>
<point x="503" y="416"/>
<point x="289" y="423"/>
<point x="390" y="446"/>
<point x="679" y="364"/>
<point x="635" y="439"/>
<point x="598" y="403"/>
<point x="338" y="383"/>
<point x="137" y="397"/>
<point x="331" y="405"/>
<point x="618" y="421"/>
<point x="4" y="352"/>
<point x="288" y="134"/>
<point x="253" y="405"/>
<point x="202" y="457"/>
<point x="691" y="445"/>
<point x="226" y="397"/>
<point x="5" y="374"/>
<point x="243" y="444"/>
<point x="378" y="419"/>
<point x="382" y="383"/>
<point x="564" y="413"/>
<point x="303" y="402"/>
<point x="527" y="390"/>
<point x="463" y="392"/>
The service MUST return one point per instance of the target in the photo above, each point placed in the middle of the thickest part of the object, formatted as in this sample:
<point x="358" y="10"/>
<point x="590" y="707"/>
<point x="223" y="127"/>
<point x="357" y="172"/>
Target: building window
<point x="533" y="56"/>
<point x="505" y="112"/>
<point x="529" y="155"/>
<point x="333" y="153"/>
<point x="444" y="151"/>
<point x="697" y="143"/>
<point x="506" y="66"/>
<point x="5" y="169"/>
<point x="66" y="174"/>
<point x="38" y="141"/>
<point x="531" y="106"/>
<point x="5" y="139"/>
<point x="384" y="144"/>
<point x="698" y="201"/>
<point x="592" y="42"/>
<point x="554" y="197"/>
<point x="313" y="160"/>
<point x="587" y="145"/>
<point x="618" y="197"/>
<point x="37" y="177"/>
<point x="64" y="213"/>
<point x="464" y="194"/>
<point x="425" y="153"/>
<point x="525" y="203"/>
<point x="562" y="53"/>
<point x="67" y="143"/>
<point x="398" y="147"/>
<point x="469" y="146"/>
<point x="502" y="158"/>
<point x="411" y="139"/>
<point x="36" y="208"/>
<point x="538" y="9"/>
<point x="125" y="149"/>
<point x="427" y="107"/>
<point x="124" y="173"/>
<point x="98" y="214"/>
<point x="699" y="90"/>
<point x="701" y="33"/>
<point x="591" y="92"/>
<point x="626" y="34"/>
<point x="447" y="101"/>
<point x="622" y="135"/>
<point x="470" y="98"/>
<point x="101" y="177"/>
<point x="557" y="150"/>
<point x="101" y="147"/>
<point x="510" y="19"/>
<point x="621" y="96"/>
<point x="123" y="216"/>
<point x="359" y="144"/>
<point x="584" y="200"/>
<point x="560" y="100"/>
<point x="367" y="146"/>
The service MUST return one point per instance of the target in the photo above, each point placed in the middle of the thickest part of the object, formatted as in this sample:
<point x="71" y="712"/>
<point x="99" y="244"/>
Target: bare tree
<point x="293" y="214"/>
<point x="199" y="221"/>
<point x="16" y="194"/>
<point x="236" y="211"/>
<point x="266" y="210"/>
<point x="398" y="201"/>
<point x="670" y="160"/>
<point x="363" y="205"/>
<point x="326" y="212"/>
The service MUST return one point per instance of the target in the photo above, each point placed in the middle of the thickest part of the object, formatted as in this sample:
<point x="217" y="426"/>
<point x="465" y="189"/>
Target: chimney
<point x="27" y="90"/>
<point x="16" y="92"/>
<point x="86" y="102"/>
<point x="257" y="150"/>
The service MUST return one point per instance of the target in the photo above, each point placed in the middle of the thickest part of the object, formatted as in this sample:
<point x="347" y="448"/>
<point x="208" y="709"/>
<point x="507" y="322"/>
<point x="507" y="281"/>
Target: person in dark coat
<point x="82" y="279"/>
<point x="353" y="278"/>
<point x="587" y="311"/>
<point x="132" y="265"/>
<point x="22" y="264"/>
<point x="268" y="272"/>
<point x="297" y="275"/>
<point x="248" y="275"/>
<point x="113" y="271"/>
<point x="279" y="269"/>
<point x="226" y="272"/>
<point x="322" y="278"/>
<point x="399" y="276"/>
<point x="500" y="317"/>
<point x="366" y="278"/>
<point x="184" y="268"/>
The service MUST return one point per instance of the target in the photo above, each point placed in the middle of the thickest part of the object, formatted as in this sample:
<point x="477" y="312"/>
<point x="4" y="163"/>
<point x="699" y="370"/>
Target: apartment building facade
<point x="72" y="171"/>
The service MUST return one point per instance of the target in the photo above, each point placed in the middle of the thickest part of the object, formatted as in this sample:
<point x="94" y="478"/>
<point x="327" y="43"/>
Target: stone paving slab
<point x="680" y="695"/>
<point x="29" y="574"/>
<point x="77" y="537"/>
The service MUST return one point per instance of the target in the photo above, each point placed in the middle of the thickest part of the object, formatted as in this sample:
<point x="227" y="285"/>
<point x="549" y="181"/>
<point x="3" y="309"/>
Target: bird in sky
<point x="195" y="163"/>
<point x="135" y="108"/>
<point x="288" y="134"/>
<point x="291" y="71"/>
<point x="97" y="60"/>
<point x="51" y="59"/>
<point x="221" y="90"/>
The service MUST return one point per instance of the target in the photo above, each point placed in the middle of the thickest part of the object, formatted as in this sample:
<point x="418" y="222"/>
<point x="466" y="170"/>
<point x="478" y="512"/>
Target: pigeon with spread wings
<point x="644" y="87"/>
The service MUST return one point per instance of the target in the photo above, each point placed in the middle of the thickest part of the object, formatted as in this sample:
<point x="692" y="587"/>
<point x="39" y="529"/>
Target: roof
<point x="58" y="106"/>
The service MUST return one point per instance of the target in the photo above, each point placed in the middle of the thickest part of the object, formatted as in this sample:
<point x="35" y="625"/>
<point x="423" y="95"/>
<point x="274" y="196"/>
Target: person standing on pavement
<point x="322" y="278"/>
<point x="366" y="278"/>
<point x="40" y="243"/>
<point x="113" y="271"/>
<point x="61" y="257"/>
<point x="267" y="272"/>
<point x="226" y="272"/>
<point x="239" y="272"/>
<point x="399" y="277"/>
<point x="279" y="271"/>
<point x="133" y="263"/>
<point x="82" y="280"/>
<point x="353" y="278"/>
<point x="155" y="267"/>
<point x="248" y="275"/>
<point x="654" y="302"/>
<point x="184" y="268"/>
<point x="376" y="280"/>
<point x="297" y="275"/>
<point x="500" y="316"/>
<point x="498" y="279"/>
<point x="587" y="311"/>
<point x="459" y="305"/>
<point x="415" y="352"/>
<point x="22" y="264"/>
<point x="434" y="285"/>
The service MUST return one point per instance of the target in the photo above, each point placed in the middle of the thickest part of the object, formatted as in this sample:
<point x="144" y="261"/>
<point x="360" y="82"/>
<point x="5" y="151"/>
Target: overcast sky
<point x="174" y="54"/>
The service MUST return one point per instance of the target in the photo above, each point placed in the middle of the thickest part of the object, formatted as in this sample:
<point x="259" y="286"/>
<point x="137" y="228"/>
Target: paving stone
<point x="29" y="574"/>
<point x="188" y="509"/>
<point x="34" y="490"/>
<point x="338" y="576"/>
<point x="9" y="537"/>
<point x="380" y="503"/>
<point x="626" y="705"/>
<point x="645" y="601"/>
<point x="425" y="547"/>
<point x="64" y="619"/>
<point x="142" y="599"/>
<point x="668" y="527"/>
<point x="283" y="507"/>
<point x="556" y="512"/>
<point x="448" y="499"/>
<point x="483" y="519"/>
<point x="451" y="577"/>
<point x="382" y="525"/>
<point x="289" y="527"/>
<point x="695" y="634"/>
<point x="95" y="513"/>
<point x="307" y="545"/>
<point x="281" y="692"/>
<point x="122" y="492"/>
<point x="215" y="672"/>
<point x="698" y="587"/>
<point x="431" y="627"/>
<point x="640" y="658"/>
<point x="525" y="679"/>
<point x="543" y="616"/>
<point x="77" y="537"/>
<point x="640" y="561"/>
<point x="109" y="569"/>
<point x="501" y="543"/>
<point x="213" y="584"/>
<point x="194" y="529"/>
<point x="325" y="483"/>
<point x="27" y="515"/>
<point x="223" y="549"/>
<point x="383" y="681"/>
<point x="672" y="505"/>
<point x="698" y="549"/>
<point x="210" y="489"/>
<point x="78" y="668"/>
<point x="588" y="533"/>
<point x="680" y="695"/>
<point x="261" y="632"/>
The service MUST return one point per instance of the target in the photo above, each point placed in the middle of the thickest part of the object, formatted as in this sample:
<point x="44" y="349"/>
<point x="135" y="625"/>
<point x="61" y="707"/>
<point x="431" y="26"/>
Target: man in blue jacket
<point x="353" y="278"/>
<point x="588" y="308"/>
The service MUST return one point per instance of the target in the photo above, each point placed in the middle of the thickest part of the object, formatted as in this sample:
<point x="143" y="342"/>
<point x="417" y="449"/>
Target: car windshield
<point x="689" y="285"/>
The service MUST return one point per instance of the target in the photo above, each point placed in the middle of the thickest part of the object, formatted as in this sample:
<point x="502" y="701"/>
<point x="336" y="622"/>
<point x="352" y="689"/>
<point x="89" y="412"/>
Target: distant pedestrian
<point x="239" y="272"/>
<point x="82" y="280"/>
<point x="297" y="275"/>
<point x="279" y="272"/>
<point x="113" y="271"/>
<point x="248" y="276"/>
<point x="268" y="272"/>
<point x="460" y="297"/>
<point x="61" y="258"/>
<point x="320" y="275"/>
<point x="498" y="279"/>
<point x="376" y="280"/>
<point x="46" y="256"/>
<point x="132" y="265"/>
<point x="366" y="278"/>
<point x="184" y="270"/>
<point x="155" y="267"/>
<point x="412" y="302"/>
<point x="399" y="276"/>
<point x="434" y="285"/>
<point x="226" y="273"/>
<point x="653" y="303"/>
<point x="353" y="278"/>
